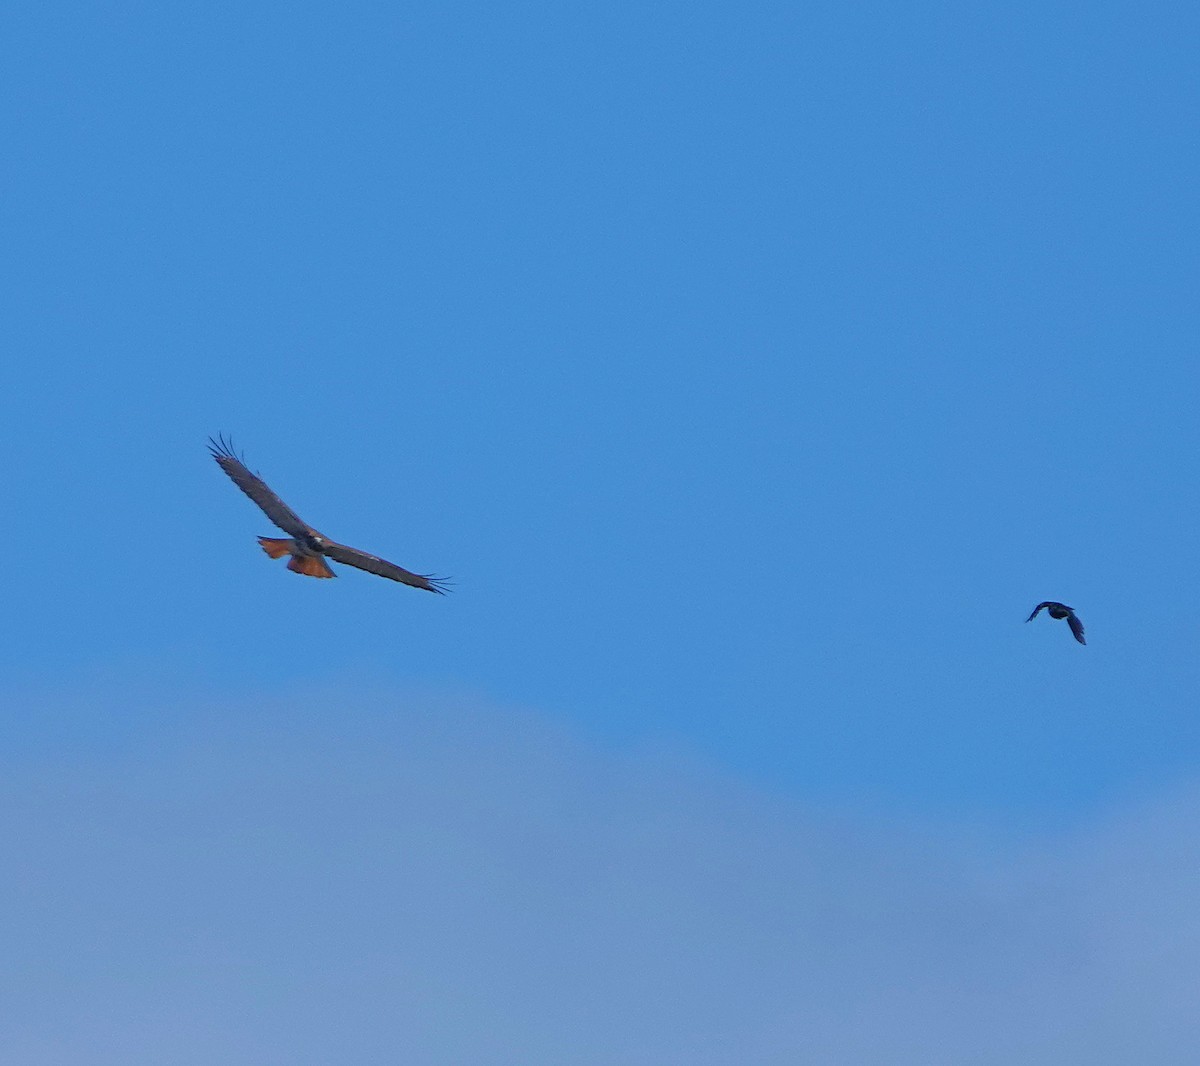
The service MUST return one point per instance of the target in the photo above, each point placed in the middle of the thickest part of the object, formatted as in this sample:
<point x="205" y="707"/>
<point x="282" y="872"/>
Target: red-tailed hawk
<point x="1061" y="610"/>
<point x="308" y="548"/>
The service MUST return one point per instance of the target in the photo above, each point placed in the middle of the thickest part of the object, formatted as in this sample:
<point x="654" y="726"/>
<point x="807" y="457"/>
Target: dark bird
<point x="308" y="548"/>
<point x="1061" y="610"/>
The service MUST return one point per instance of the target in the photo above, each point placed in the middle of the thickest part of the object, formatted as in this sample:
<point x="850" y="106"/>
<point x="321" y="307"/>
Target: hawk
<point x="308" y="548"/>
<point x="1061" y="610"/>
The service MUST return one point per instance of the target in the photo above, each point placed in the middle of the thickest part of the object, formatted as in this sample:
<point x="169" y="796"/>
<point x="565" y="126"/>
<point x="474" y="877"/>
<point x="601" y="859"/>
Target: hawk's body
<point x="308" y="548"/>
<point x="1061" y="610"/>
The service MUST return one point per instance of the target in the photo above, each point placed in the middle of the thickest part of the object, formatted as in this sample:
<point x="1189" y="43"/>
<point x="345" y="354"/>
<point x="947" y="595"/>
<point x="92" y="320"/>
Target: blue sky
<point x="753" y="370"/>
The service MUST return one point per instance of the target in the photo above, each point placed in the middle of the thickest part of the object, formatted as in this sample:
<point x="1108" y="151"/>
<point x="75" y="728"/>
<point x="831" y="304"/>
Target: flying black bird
<point x="1061" y="610"/>
<point x="308" y="548"/>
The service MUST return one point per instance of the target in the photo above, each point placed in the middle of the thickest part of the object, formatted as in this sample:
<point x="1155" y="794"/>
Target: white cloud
<point x="362" y="879"/>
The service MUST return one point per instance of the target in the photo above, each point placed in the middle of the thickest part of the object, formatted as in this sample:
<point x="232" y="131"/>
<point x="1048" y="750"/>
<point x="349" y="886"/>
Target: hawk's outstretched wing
<point x="1077" y="628"/>
<point x="1035" y="611"/>
<point x="254" y="487"/>
<point x="341" y="553"/>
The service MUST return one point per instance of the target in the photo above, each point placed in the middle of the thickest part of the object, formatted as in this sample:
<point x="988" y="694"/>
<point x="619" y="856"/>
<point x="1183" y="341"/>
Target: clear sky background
<point x="753" y="370"/>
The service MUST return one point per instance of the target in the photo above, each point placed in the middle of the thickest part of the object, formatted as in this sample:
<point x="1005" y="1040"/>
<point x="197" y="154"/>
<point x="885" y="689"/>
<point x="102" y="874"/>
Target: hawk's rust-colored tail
<point x="308" y="565"/>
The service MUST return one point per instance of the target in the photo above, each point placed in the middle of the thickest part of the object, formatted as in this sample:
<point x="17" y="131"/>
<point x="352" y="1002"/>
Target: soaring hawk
<point x="1061" y="610"/>
<point x="308" y="548"/>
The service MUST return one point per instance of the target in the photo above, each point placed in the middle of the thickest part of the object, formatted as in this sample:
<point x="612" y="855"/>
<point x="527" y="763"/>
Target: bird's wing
<point x="1076" y="627"/>
<point x="254" y="487"/>
<point x="1035" y="611"/>
<point x="341" y="553"/>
